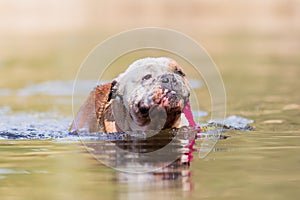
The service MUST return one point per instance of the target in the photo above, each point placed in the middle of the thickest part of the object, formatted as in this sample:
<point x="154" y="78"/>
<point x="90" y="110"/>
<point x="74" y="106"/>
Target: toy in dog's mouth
<point x="163" y="104"/>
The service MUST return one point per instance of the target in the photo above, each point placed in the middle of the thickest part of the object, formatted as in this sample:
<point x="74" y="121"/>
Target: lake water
<point x="259" y="164"/>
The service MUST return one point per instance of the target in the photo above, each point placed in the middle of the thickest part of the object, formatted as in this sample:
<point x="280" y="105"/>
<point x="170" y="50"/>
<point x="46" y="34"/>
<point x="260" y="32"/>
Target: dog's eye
<point x="178" y="71"/>
<point x="148" y="76"/>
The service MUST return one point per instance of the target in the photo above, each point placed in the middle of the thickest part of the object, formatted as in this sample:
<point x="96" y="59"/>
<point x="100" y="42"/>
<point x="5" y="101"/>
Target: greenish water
<point x="261" y="164"/>
<point x="248" y="165"/>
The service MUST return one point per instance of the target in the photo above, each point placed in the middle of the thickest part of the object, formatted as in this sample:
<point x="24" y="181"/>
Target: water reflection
<point x="152" y="159"/>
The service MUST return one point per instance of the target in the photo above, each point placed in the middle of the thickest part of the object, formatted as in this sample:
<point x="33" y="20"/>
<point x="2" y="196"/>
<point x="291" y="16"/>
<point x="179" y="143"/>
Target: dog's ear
<point x="113" y="90"/>
<point x="116" y="89"/>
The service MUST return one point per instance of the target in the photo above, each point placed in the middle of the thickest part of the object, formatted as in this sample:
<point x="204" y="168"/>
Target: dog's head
<point x="150" y="94"/>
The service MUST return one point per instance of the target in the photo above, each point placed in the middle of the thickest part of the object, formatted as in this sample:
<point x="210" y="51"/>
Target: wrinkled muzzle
<point x="166" y="96"/>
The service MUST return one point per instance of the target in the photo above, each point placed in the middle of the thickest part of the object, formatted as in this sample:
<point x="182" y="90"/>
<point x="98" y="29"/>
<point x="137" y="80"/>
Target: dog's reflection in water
<point x="153" y="159"/>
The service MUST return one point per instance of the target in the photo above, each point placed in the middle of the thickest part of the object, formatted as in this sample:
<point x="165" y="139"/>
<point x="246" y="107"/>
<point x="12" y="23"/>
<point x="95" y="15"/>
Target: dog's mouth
<point x="170" y="100"/>
<point x="163" y="100"/>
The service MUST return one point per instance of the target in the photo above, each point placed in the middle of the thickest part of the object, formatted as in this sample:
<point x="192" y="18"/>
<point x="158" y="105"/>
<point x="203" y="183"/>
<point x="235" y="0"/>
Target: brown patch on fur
<point x="109" y="120"/>
<point x="177" y="69"/>
<point x="102" y="93"/>
<point x="91" y="115"/>
<point x="172" y="121"/>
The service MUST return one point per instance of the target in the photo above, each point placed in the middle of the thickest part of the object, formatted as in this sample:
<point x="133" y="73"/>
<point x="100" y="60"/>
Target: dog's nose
<point x="169" y="81"/>
<point x="168" y="78"/>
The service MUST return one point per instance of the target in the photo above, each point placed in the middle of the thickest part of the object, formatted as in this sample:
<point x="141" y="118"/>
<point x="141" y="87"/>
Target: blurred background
<point x="250" y="41"/>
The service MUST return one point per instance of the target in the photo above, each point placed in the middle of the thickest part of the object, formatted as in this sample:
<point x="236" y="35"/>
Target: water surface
<point x="264" y="163"/>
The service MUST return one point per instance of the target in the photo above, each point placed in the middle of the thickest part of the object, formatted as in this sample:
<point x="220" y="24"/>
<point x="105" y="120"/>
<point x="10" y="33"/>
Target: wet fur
<point x="96" y="114"/>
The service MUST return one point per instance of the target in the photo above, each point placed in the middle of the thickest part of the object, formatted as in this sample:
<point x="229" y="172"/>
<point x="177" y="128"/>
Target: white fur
<point x="162" y="61"/>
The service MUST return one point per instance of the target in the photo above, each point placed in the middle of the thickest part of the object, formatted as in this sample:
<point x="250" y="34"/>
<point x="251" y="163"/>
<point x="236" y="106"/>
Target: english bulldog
<point x="150" y="95"/>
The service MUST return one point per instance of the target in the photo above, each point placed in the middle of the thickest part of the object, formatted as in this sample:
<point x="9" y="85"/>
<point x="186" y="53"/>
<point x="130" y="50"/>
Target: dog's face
<point x="151" y="93"/>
